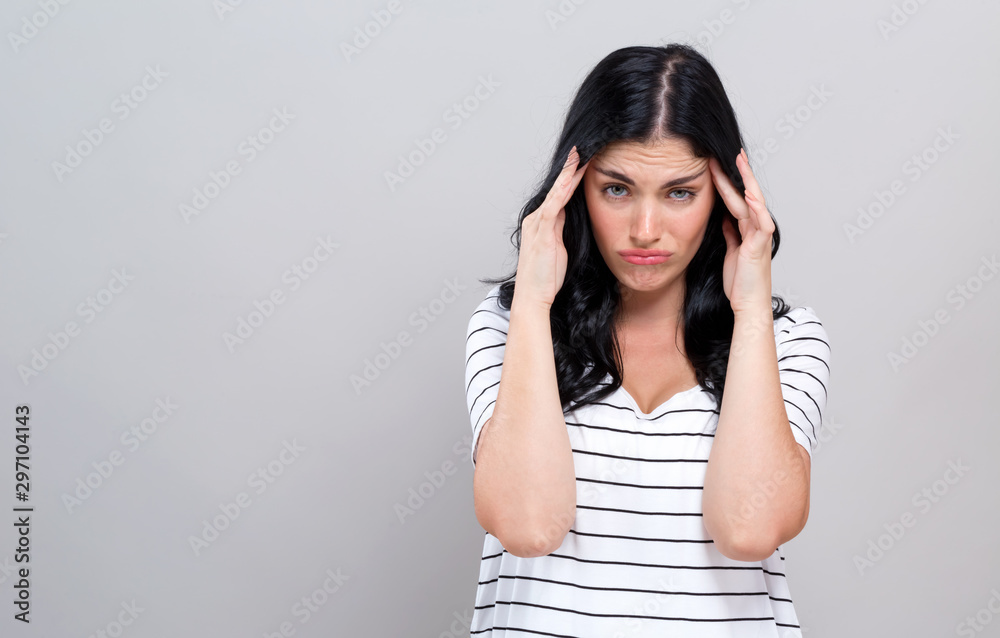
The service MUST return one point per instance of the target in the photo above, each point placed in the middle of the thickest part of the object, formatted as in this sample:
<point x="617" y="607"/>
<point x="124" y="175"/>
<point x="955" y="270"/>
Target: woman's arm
<point x="756" y="493"/>
<point x="524" y="482"/>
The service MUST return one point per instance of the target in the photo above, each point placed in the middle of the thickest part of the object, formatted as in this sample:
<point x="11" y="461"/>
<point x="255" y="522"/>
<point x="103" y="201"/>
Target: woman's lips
<point x="644" y="257"/>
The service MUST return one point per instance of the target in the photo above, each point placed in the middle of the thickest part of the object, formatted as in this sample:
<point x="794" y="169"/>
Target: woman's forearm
<point x="756" y="492"/>
<point x="525" y="482"/>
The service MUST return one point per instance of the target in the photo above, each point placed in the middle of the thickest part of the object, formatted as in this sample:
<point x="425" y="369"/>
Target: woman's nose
<point x="646" y="222"/>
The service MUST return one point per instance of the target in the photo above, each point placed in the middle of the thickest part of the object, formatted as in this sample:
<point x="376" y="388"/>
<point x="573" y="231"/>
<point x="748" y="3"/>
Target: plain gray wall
<point x="214" y="78"/>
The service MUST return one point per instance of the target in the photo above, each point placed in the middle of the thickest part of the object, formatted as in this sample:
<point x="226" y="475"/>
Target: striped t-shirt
<point x="637" y="560"/>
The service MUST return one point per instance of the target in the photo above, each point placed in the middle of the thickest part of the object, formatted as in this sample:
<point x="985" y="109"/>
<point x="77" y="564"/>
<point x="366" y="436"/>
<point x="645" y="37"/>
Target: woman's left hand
<point x="746" y="271"/>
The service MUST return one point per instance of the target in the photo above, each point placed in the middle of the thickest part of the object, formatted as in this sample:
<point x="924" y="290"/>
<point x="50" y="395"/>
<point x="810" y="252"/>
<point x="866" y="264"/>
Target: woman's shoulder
<point x="491" y="304"/>
<point x="800" y="323"/>
<point x="489" y="313"/>
<point x="797" y="316"/>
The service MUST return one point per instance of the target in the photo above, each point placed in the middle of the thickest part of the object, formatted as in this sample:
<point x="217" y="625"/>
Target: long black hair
<point x="640" y="94"/>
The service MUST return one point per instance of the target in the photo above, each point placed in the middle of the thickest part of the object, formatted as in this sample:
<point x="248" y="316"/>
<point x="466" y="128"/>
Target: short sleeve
<point x="485" y="342"/>
<point x="803" y="350"/>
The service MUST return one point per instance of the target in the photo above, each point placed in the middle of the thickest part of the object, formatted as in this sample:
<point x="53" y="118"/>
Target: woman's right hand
<point x="541" y="263"/>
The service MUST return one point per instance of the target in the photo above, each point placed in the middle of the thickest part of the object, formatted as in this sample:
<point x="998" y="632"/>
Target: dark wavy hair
<point x="641" y="94"/>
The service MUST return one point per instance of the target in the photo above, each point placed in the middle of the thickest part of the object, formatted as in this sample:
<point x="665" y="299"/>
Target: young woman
<point x="644" y="411"/>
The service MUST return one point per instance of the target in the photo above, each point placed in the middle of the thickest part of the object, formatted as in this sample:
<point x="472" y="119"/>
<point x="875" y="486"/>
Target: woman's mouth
<point x="645" y="257"/>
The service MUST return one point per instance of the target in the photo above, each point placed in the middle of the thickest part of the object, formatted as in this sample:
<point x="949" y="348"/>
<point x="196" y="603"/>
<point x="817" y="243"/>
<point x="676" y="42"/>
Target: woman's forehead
<point x="664" y="153"/>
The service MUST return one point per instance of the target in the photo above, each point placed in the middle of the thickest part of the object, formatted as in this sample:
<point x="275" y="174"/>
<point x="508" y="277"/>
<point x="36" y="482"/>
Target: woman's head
<point x="650" y="114"/>
<point x="648" y="94"/>
<point x="668" y="98"/>
<point x="649" y="196"/>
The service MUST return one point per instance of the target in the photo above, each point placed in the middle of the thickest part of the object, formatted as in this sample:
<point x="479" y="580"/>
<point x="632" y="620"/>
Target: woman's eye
<point x="617" y="191"/>
<point x="614" y="195"/>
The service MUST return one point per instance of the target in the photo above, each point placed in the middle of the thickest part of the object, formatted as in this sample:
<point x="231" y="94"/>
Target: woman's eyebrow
<point x="674" y="182"/>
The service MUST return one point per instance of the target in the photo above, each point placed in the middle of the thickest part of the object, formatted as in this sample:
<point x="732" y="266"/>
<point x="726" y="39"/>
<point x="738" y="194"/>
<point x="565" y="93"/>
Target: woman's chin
<point x="644" y="282"/>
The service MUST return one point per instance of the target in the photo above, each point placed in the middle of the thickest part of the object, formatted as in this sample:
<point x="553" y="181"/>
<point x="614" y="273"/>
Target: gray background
<point x="891" y="431"/>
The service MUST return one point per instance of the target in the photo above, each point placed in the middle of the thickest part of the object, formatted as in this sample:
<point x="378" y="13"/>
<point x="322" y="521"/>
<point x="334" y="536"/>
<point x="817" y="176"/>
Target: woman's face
<point x="648" y="198"/>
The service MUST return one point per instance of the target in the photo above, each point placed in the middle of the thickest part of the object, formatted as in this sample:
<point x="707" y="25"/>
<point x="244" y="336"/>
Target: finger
<point x="746" y="208"/>
<point x="578" y="169"/>
<point x="565" y="185"/>
<point x="569" y="169"/>
<point x="734" y="201"/>
<point x="754" y="196"/>
<point x="560" y="221"/>
<point x="730" y="234"/>
<point x="761" y="216"/>
<point x="749" y="180"/>
<point x="578" y="175"/>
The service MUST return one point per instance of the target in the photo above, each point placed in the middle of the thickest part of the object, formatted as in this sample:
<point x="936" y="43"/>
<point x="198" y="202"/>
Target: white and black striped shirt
<point x="637" y="560"/>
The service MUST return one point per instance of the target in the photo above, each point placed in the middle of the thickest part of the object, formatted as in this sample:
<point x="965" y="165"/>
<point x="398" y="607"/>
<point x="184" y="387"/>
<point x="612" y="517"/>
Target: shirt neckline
<point x="657" y="409"/>
<point x="635" y="405"/>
